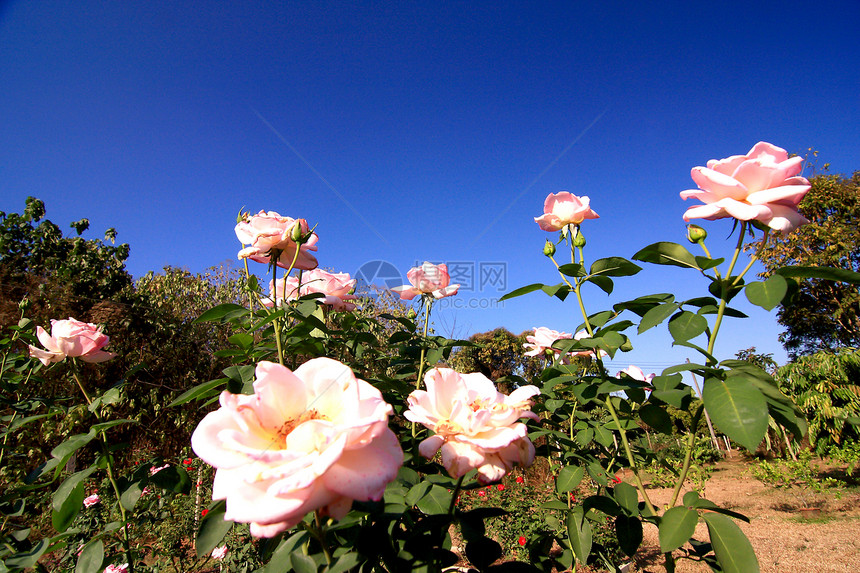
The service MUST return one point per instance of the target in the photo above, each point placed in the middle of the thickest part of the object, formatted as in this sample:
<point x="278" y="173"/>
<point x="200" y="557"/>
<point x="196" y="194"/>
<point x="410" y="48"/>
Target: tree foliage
<point x="498" y="353"/>
<point x="826" y="387"/>
<point x="821" y="314"/>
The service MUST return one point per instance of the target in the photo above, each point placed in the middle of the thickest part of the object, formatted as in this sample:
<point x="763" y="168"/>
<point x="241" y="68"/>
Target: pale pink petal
<point x="430" y="446"/>
<point x="362" y="474"/>
<point x="719" y="184"/>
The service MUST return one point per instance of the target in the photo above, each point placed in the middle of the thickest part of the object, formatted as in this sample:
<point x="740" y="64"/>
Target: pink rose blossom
<point x="543" y="339"/>
<point x="636" y="373"/>
<point x="219" y="552"/>
<point x="335" y="286"/>
<point x="316" y="438"/>
<point x="71" y="338"/>
<point x="91" y="500"/>
<point x="153" y="471"/>
<point x="760" y="186"/>
<point x="268" y="230"/>
<point x="116" y="568"/>
<point x="427" y="279"/>
<point x="475" y="425"/>
<point x="563" y="209"/>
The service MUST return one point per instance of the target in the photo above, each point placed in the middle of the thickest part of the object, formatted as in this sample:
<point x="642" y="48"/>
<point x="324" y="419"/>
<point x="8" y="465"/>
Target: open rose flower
<point x="313" y="439"/>
<point x="563" y="209"/>
<point x="427" y="279"/>
<point x="761" y="185"/>
<point x="475" y="425"/>
<point x="71" y="338"/>
<point x="542" y="340"/>
<point x="636" y="373"/>
<point x="335" y="286"/>
<point x="268" y="231"/>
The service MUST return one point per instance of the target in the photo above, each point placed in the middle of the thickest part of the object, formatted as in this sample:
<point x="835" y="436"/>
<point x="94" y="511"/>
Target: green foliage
<point x="820" y="314"/>
<point x="496" y="354"/>
<point x="825" y="386"/>
<point x="801" y="476"/>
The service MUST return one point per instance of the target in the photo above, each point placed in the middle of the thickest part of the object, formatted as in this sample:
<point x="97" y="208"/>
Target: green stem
<point x="629" y="453"/>
<point x="319" y="534"/>
<point x="688" y="455"/>
<point x="277" y="323"/>
<point x="724" y="292"/>
<point x="428" y="303"/>
<point x="454" y="495"/>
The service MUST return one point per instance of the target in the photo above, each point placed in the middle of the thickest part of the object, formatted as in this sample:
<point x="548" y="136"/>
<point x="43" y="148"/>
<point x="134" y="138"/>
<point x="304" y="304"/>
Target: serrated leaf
<point x="767" y="294"/>
<point x="687" y="325"/>
<point x="614" y="267"/>
<point x="738" y="409"/>
<point x="677" y="525"/>
<point x="572" y="270"/>
<point x="568" y="478"/>
<point x="732" y="548"/>
<point x="629" y="532"/>
<point x="91" y="558"/>
<point x="435" y="501"/>
<point x="656" y="315"/>
<point x="213" y="529"/>
<point x="627" y="497"/>
<point x="604" y="283"/>
<point x="665" y="253"/>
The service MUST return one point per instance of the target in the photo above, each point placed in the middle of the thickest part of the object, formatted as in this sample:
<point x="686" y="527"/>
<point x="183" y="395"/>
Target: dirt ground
<point x="783" y="540"/>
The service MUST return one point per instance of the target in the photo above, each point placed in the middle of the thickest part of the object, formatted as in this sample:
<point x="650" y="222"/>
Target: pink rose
<point x="427" y="279"/>
<point x="91" y="500"/>
<point x="563" y="209"/>
<point x="219" y="552"/>
<point x="316" y="438"/>
<point x="335" y="286"/>
<point x="116" y="568"/>
<point x="761" y="186"/>
<point x="71" y="338"/>
<point x="153" y="471"/>
<point x="636" y="373"/>
<point x="543" y="340"/>
<point x="266" y="231"/>
<point x="475" y="425"/>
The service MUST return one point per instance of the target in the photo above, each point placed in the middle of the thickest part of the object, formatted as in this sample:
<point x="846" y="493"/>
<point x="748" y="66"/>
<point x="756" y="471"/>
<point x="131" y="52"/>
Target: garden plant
<point x="339" y="440"/>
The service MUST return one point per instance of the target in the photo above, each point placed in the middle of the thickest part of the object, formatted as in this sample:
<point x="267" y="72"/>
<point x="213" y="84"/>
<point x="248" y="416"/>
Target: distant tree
<point x="822" y="314"/>
<point x="497" y="353"/>
<point x="826" y="387"/>
<point x="763" y="361"/>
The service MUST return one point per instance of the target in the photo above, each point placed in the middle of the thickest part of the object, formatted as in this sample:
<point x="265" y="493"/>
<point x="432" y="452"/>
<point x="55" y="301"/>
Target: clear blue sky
<point x="413" y="131"/>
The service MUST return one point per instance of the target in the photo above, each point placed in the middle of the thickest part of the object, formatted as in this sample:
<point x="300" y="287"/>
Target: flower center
<point x="294" y="423"/>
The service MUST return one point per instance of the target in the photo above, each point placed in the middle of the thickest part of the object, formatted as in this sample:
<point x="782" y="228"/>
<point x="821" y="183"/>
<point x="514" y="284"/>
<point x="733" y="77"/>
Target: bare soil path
<point x="783" y="540"/>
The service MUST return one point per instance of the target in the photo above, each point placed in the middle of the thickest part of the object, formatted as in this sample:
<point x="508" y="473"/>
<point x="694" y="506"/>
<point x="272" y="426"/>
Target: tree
<point x="821" y="314"/>
<point x="498" y="353"/>
<point x="762" y="360"/>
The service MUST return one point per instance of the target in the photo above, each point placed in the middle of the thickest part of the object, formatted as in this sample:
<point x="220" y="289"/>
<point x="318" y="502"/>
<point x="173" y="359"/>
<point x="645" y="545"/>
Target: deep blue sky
<point x="428" y="130"/>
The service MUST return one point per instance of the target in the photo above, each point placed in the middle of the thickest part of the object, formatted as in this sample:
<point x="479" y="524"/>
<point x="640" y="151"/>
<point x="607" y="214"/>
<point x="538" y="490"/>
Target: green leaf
<point x="219" y="312"/>
<point x="656" y="417"/>
<point x="522" y="290"/>
<point x="827" y="273"/>
<point x="686" y="325"/>
<point x="303" y="563"/>
<point x="213" y="528"/>
<point x="738" y="409"/>
<point x="416" y="492"/>
<point x="677" y="525"/>
<point x="605" y="283"/>
<point x="131" y="495"/>
<point x="28" y="559"/>
<point x="436" y="501"/>
<point x="569" y="478"/>
<point x="344" y="563"/>
<point x="664" y="253"/>
<point x="767" y="294"/>
<point x="68" y="499"/>
<point x="614" y="267"/>
<point x="560" y="291"/>
<point x="579" y="534"/>
<point x="629" y="533"/>
<point x="280" y="560"/>
<point x="656" y="315"/>
<point x="200" y="391"/>
<point x="91" y="558"/>
<point x="733" y="550"/>
<point x="572" y="270"/>
<point x="110" y="424"/>
<point x="627" y="497"/>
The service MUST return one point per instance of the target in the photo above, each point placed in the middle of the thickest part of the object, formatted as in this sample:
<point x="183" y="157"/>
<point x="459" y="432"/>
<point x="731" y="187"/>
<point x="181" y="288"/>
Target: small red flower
<point x="616" y="479"/>
<point x="500" y="487"/>
<point x="204" y="512"/>
<point x="482" y="493"/>
<point x="573" y="498"/>
<point x="187" y="462"/>
<point x="521" y="541"/>
<point x="520" y="479"/>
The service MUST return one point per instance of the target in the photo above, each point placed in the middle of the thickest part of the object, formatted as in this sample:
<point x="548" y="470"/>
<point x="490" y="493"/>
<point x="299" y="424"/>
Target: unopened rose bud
<point x="579" y="239"/>
<point x="549" y="249"/>
<point x="696" y="234"/>
<point x="240" y="217"/>
<point x="411" y="314"/>
<point x="24" y="305"/>
<point x="296" y="233"/>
